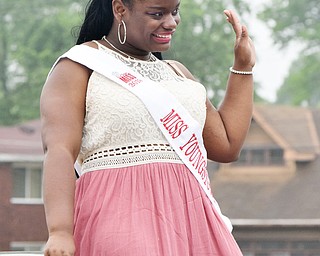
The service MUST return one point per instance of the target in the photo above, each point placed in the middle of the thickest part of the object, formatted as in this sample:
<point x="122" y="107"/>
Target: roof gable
<point x="292" y="128"/>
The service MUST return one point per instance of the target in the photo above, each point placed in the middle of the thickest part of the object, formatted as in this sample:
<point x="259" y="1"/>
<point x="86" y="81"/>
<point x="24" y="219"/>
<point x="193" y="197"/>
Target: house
<point x="271" y="194"/>
<point x="22" y="220"/>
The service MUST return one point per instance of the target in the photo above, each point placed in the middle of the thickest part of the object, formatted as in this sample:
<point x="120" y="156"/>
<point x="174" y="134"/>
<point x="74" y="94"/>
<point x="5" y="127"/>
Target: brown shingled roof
<point x="21" y="140"/>
<point x="293" y="128"/>
<point x="266" y="193"/>
<point x="262" y="196"/>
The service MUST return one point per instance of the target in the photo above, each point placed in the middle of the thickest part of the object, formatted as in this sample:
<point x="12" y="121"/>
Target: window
<point x="257" y="157"/>
<point x="27" y="181"/>
<point x="276" y="156"/>
<point x="260" y="156"/>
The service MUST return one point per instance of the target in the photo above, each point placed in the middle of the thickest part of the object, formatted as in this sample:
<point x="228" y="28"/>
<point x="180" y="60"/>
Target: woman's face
<point x="151" y="24"/>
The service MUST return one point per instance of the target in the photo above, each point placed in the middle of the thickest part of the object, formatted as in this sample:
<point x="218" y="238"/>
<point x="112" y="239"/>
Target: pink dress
<point x="134" y="196"/>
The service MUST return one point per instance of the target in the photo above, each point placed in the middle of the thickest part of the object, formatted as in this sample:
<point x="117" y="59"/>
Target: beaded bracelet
<point x="240" y="72"/>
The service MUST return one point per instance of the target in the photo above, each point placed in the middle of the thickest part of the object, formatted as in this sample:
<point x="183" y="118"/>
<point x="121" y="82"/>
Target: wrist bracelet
<point x="240" y="72"/>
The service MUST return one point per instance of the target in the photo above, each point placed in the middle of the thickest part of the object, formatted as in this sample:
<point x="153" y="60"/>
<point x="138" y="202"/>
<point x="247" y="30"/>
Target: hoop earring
<point x="125" y="32"/>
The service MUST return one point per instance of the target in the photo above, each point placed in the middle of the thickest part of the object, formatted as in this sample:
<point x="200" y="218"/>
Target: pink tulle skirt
<point x="151" y="209"/>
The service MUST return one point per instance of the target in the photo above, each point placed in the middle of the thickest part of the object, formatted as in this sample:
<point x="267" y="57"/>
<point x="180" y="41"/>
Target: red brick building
<point x="22" y="221"/>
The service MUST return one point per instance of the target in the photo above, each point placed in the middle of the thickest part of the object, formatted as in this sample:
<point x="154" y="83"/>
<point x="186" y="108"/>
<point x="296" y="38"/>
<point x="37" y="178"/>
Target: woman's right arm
<point x="62" y="106"/>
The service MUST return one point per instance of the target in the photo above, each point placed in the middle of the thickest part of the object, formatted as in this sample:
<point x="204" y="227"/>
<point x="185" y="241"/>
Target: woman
<point x="135" y="196"/>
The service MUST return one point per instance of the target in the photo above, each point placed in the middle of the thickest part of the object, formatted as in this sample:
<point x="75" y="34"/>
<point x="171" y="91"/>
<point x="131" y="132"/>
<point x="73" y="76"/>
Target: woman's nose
<point x="171" y="21"/>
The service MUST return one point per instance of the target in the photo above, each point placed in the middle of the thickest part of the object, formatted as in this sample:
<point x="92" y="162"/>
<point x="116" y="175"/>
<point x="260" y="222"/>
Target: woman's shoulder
<point x="180" y="69"/>
<point x="93" y="44"/>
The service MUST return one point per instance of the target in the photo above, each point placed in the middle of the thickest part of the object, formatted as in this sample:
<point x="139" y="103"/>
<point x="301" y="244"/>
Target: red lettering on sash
<point x="196" y="155"/>
<point x="192" y="150"/>
<point x="193" y="138"/>
<point x="129" y="79"/>
<point x="126" y="77"/>
<point x="174" y="124"/>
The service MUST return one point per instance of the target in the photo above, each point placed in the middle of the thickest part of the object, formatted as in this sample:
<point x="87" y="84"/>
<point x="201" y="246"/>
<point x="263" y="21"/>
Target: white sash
<point x="179" y="128"/>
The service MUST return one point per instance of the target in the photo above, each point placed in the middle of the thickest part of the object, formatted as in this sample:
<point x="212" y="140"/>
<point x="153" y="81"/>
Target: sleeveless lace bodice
<point x="117" y="125"/>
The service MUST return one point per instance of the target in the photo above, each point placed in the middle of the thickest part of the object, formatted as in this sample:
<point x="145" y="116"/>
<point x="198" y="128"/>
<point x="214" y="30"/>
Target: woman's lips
<point x="162" y="38"/>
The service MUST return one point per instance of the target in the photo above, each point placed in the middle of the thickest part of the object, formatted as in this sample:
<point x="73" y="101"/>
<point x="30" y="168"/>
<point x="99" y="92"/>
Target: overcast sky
<point x="272" y="64"/>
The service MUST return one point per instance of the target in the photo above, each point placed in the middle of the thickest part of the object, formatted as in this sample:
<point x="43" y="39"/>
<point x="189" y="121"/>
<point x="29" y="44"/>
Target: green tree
<point x="299" y="21"/>
<point x="204" y="43"/>
<point x="30" y="40"/>
<point x="302" y="86"/>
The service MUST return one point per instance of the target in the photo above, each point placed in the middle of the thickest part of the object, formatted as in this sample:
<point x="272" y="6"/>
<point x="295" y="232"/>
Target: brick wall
<point x="18" y="222"/>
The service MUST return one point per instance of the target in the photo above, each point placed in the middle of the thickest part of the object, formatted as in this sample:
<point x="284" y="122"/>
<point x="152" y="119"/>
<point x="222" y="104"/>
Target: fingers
<point x="240" y="30"/>
<point x="54" y="253"/>
<point x="244" y="48"/>
<point x="244" y="31"/>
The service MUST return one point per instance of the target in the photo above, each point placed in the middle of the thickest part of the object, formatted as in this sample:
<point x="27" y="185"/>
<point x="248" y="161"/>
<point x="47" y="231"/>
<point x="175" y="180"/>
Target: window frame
<point x="28" y="167"/>
<point x="268" y="154"/>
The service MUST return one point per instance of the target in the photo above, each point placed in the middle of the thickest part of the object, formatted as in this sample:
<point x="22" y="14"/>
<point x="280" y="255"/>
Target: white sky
<point x="272" y="64"/>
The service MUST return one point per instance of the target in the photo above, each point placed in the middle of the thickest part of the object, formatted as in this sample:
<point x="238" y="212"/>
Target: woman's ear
<point x="119" y="9"/>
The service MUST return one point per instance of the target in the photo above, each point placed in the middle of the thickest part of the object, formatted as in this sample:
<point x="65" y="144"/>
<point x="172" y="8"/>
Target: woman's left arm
<point x="226" y="127"/>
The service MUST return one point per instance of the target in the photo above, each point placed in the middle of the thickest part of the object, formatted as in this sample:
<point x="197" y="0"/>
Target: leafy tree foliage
<point x="204" y="43"/>
<point x="298" y="20"/>
<point x="302" y="86"/>
<point x="30" y="40"/>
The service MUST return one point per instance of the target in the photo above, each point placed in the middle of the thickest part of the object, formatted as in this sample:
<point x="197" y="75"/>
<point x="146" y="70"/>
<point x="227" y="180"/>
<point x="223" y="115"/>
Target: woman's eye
<point x="176" y="12"/>
<point x="156" y="14"/>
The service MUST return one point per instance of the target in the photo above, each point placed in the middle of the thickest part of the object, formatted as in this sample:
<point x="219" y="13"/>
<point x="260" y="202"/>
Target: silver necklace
<point x="151" y="57"/>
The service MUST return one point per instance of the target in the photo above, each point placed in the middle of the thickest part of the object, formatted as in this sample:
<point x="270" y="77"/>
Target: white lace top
<point x="118" y="129"/>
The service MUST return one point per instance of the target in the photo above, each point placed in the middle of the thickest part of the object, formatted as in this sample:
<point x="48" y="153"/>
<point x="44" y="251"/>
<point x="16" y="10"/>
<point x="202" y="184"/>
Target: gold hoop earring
<point x="124" y="30"/>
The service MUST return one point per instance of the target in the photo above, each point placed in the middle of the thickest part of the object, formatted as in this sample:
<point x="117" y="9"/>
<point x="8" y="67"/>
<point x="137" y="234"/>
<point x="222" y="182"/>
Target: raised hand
<point x="244" y="52"/>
